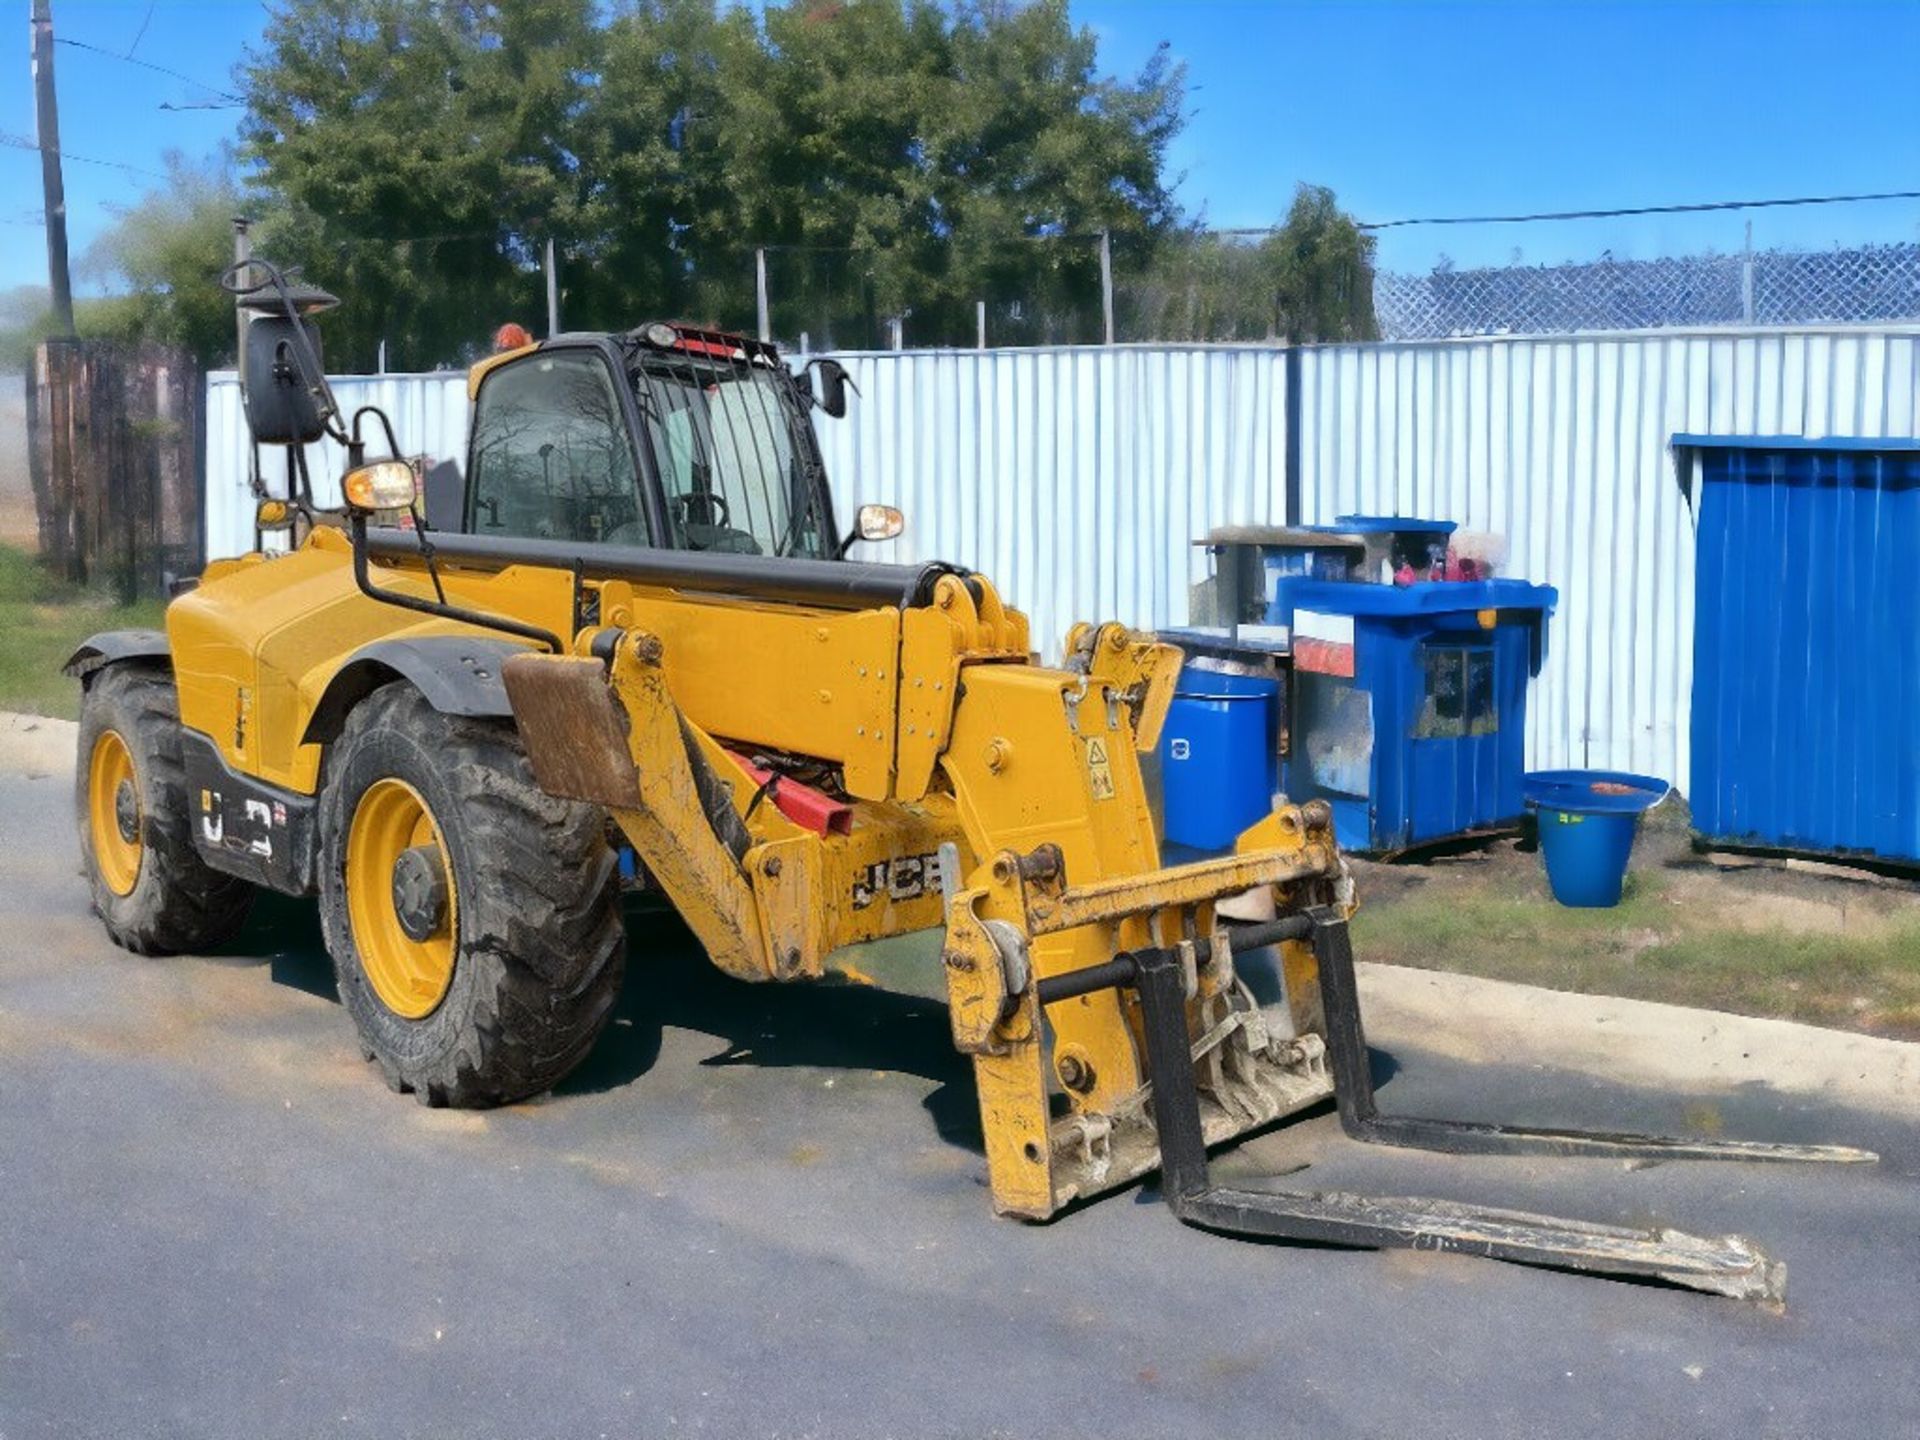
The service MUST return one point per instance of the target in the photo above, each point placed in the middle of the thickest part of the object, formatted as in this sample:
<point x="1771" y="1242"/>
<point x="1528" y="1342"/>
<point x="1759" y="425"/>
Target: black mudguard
<point x="458" y="675"/>
<point x="111" y="646"/>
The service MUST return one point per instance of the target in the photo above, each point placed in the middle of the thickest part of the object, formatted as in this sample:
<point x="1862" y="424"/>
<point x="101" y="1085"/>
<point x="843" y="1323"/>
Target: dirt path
<point x="1823" y="944"/>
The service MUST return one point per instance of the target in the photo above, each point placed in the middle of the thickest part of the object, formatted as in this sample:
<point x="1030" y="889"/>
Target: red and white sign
<point x="1322" y="643"/>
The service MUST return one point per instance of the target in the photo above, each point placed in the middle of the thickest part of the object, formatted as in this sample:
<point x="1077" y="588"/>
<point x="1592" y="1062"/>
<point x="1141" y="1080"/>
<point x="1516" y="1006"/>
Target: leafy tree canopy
<point x="1309" y="280"/>
<point x="895" y="157"/>
<point x="161" y="259"/>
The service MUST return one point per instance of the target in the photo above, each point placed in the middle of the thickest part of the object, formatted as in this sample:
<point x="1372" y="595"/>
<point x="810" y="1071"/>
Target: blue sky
<point x="1404" y="109"/>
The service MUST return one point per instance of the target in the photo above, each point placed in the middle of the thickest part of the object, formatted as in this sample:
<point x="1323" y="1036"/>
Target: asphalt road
<point x="761" y="1211"/>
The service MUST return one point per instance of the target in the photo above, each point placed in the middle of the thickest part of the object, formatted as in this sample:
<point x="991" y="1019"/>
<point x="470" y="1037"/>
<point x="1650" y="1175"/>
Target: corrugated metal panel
<point x="1806" y="723"/>
<point x="1561" y="445"/>
<point x="429" y="414"/>
<point x="1077" y="478"/>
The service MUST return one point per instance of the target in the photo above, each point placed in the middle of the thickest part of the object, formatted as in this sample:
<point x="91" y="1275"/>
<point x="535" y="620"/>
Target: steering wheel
<point x="711" y="505"/>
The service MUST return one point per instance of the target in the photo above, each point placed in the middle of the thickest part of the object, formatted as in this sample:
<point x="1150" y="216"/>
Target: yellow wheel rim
<point x="410" y="972"/>
<point x="113" y="812"/>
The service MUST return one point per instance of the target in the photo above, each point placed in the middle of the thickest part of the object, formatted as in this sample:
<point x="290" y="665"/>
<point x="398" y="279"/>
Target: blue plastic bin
<point x="1587" y="824"/>
<point x="1218" y="757"/>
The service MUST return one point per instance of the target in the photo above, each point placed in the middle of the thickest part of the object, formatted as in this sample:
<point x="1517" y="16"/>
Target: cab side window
<point x="552" y="459"/>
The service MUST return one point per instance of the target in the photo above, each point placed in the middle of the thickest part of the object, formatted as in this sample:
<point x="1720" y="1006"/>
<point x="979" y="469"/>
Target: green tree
<point x="661" y="204"/>
<point x="1321" y="264"/>
<point x="419" y="154"/>
<point x="1309" y="280"/>
<point x="160" y="260"/>
<point x="954" y="154"/>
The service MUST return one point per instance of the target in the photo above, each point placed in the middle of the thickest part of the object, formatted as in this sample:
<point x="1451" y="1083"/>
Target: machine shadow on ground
<point x="670" y="984"/>
<point x="284" y="931"/>
<point x="829" y="1024"/>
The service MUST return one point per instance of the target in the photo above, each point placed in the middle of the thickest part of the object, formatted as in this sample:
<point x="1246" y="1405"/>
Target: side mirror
<point x="833" y="386"/>
<point x="878" y="522"/>
<point x="383" y="485"/>
<point x="281" y="406"/>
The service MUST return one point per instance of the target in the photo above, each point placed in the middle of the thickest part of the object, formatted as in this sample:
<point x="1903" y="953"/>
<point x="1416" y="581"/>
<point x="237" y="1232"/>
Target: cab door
<point x="552" y="453"/>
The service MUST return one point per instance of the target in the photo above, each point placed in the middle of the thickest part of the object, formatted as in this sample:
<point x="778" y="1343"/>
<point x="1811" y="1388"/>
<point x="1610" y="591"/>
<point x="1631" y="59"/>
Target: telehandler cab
<point x="637" y="633"/>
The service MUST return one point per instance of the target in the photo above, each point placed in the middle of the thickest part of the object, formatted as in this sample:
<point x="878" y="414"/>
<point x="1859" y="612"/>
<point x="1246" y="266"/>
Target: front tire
<point x="473" y="919"/>
<point x="148" y="883"/>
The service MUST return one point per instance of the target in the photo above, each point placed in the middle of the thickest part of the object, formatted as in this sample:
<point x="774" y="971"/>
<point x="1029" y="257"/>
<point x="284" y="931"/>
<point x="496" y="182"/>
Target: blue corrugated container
<point x="1806" y="667"/>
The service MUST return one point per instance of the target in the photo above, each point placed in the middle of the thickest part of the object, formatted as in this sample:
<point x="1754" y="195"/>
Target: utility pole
<point x="980" y="324"/>
<point x="760" y="292"/>
<point x="1106" y="282"/>
<point x="553" y="292"/>
<point x="242" y="253"/>
<point x="58" y="281"/>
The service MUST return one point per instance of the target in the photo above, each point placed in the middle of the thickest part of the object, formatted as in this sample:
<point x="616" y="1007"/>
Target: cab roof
<point x="687" y="340"/>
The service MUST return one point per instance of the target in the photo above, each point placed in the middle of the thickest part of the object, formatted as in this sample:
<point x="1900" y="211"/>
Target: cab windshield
<point x="736" y="458"/>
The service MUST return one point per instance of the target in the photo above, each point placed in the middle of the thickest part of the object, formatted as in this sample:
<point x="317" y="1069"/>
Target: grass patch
<point x="41" y="621"/>
<point x="1665" y="941"/>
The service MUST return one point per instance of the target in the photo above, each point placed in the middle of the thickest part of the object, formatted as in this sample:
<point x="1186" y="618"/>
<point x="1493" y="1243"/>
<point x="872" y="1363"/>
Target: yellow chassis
<point x="990" y="795"/>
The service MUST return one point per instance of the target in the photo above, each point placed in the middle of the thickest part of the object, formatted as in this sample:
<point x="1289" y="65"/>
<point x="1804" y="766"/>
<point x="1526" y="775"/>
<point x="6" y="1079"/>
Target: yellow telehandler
<point x="630" y="650"/>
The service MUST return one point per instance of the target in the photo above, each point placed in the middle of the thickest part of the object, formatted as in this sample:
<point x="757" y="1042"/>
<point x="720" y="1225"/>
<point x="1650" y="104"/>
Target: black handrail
<point x="839" y="584"/>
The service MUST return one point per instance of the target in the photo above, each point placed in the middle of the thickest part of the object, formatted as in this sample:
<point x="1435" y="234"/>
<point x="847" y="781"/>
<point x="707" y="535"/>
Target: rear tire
<point x="503" y="983"/>
<point x="149" y="884"/>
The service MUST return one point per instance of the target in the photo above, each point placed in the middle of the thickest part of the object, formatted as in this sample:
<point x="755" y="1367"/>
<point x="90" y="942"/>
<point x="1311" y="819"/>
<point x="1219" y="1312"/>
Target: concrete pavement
<point x="761" y="1211"/>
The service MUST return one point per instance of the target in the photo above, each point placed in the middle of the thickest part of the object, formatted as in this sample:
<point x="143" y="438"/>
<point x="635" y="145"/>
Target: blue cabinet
<point x="1409" y="705"/>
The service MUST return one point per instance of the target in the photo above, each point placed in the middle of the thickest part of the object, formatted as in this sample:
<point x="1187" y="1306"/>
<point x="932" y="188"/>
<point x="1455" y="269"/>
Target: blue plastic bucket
<point x="1587" y="824"/>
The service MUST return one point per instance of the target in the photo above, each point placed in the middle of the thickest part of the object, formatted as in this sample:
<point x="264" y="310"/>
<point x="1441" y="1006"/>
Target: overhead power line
<point x="1639" y="210"/>
<point x="149" y="65"/>
<point x="141" y="33"/>
<point x="22" y="142"/>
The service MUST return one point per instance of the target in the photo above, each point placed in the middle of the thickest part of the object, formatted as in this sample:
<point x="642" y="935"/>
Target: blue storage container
<point x="1218" y="757"/>
<point x="1806" y="663"/>
<point x="1409" y="705"/>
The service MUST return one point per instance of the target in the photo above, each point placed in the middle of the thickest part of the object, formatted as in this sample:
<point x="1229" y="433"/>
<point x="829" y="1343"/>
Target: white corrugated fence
<point x="1079" y="478"/>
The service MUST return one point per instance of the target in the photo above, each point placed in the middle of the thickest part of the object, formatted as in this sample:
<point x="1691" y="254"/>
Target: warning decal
<point x="1099" y="768"/>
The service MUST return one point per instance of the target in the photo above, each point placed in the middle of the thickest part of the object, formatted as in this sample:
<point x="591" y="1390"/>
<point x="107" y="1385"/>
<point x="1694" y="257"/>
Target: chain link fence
<point x="1212" y="291"/>
<point x="1770" y="287"/>
<point x="1044" y="291"/>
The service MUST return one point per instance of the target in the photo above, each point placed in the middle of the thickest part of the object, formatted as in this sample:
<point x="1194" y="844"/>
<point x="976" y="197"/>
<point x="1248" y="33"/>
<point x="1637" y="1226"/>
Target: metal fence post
<point x="761" y="305"/>
<point x="1106" y="283"/>
<point x="553" y="292"/>
<point x="1746" y="278"/>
